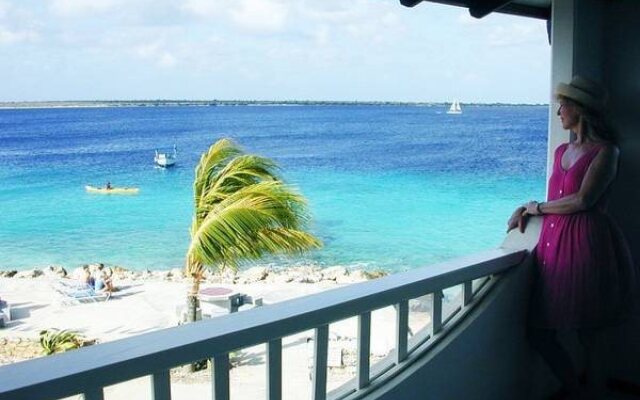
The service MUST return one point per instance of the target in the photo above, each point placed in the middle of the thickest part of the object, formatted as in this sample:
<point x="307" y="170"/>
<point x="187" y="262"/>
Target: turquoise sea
<point x="392" y="187"/>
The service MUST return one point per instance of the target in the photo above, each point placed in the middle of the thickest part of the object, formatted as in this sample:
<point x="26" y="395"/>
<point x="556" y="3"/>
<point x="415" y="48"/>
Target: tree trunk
<point x="193" y="305"/>
<point x="193" y="302"/>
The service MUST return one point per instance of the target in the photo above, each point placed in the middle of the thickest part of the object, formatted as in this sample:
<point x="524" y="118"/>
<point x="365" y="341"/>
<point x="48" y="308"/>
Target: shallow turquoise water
<point x="389" y="187"/>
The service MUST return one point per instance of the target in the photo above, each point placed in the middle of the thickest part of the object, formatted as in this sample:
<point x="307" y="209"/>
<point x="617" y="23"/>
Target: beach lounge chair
<point x="78" y="293"/>
<point x="5" y="313"/>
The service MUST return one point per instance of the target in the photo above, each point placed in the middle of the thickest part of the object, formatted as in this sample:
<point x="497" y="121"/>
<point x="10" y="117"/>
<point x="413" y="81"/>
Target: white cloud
<point x="254" y="16"/>
<point x="327" y="12"/>
<point x="17" y="25"/>
<point x="214" y="40"/>
<point x="390" y="20"/>
<point x="517" y="34"/>
<point x="156" y="53"/>
<point x="471" y="77"/>
<point x="13" y="37"/>
<point x="260" y="15"/>
<point x="4" y="9"/>
<point x="382" y="30"/>
<point x="365" y="21"/>
<point x="322" y="35"/>
<point x="167" y="60"/>
<point x="306" y="42"/>
<point x="464" y="18"/>
<point x="83" y="8"/>
<point x="203" y="8"/>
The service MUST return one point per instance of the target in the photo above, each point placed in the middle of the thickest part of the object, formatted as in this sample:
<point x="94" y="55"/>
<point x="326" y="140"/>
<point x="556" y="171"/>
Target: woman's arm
<point x="599" y="176"/>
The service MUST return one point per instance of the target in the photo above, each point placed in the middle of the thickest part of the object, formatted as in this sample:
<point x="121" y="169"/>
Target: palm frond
<point x="287" y="241"/>
<point x="243" y="211"/>
<point x="210" y="163"/>
<point x="239" y="228"/>
<point x="274" y="197"/>
<point x="231" y="226"/>
<point x="240" y="172"/>
<point x="245" y="170"/>
<point x="286" y="205"/>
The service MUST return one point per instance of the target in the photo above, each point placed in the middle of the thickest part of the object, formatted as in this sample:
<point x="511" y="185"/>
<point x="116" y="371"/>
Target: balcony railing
<point x="88" y="370"/>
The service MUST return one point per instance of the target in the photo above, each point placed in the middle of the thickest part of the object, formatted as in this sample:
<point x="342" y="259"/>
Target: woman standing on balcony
<point x="584" y="267"/>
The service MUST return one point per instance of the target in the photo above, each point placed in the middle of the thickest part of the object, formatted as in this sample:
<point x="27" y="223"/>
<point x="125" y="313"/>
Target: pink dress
<point x="586" y="277"/>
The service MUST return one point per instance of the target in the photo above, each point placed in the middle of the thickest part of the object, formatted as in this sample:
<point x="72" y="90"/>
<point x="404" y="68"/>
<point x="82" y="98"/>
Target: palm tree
<point x="243" y="212"/>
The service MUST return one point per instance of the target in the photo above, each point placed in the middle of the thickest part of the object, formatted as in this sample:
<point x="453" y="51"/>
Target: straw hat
<point x="583" y="91"/>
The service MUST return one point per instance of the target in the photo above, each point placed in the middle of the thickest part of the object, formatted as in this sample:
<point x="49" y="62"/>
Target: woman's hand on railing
<point x="518" y="219"/>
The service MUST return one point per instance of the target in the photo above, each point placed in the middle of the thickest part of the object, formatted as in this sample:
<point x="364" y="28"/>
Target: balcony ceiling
<point x="479" y="8"/>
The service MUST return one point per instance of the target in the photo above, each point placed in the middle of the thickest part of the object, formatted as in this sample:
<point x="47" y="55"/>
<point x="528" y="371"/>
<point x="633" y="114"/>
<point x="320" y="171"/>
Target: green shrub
<point x="57" y="341"/>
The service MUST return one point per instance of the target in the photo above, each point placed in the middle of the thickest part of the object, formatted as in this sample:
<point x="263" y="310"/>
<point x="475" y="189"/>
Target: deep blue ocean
<point x="392" y="187"/>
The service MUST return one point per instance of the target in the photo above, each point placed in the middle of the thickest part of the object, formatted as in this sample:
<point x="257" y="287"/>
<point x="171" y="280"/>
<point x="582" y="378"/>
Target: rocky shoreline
<point x="258" y="274"/>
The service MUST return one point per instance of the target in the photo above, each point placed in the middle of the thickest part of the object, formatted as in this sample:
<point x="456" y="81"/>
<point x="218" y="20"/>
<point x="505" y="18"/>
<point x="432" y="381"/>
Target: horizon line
<point x="215" y="102"/>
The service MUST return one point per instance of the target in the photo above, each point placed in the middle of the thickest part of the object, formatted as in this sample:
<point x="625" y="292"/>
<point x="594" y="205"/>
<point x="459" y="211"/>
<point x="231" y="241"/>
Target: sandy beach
<point x="148" y="301"/>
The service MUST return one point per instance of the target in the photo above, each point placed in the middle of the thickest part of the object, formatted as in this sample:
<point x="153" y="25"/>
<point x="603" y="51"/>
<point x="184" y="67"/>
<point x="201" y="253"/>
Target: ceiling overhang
<point x="540" y="9"/>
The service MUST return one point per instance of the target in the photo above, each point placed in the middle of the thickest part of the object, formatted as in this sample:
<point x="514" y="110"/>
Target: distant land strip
<point x="214" y="103"/>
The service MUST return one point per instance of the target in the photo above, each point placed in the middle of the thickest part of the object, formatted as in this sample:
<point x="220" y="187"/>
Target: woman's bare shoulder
<point x="608" y="154"/>
<point x="609" y="150"/>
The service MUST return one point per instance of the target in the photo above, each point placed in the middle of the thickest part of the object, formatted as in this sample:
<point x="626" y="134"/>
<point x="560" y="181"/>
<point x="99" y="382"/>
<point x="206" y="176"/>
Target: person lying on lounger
<point x="103" y="279"/>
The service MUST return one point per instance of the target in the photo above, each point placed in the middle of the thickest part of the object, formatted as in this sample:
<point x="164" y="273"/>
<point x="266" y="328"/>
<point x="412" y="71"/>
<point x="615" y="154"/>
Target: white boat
<point x="165" y="160"/>
<point x="455" y="108"/>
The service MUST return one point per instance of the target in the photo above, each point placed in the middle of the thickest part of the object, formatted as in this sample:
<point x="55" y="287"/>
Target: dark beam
<point x="410" y="3"/>
<point x="508" y="8"/>
<point x="527" y="11"/>
<point x="483" y="8"/>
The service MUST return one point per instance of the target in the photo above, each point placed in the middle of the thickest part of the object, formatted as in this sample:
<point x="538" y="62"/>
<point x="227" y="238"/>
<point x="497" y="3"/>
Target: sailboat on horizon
<point x="455" y="108"/>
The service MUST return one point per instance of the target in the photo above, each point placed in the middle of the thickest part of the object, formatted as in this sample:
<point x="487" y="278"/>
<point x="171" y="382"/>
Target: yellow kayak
<point x="113" y="190"/>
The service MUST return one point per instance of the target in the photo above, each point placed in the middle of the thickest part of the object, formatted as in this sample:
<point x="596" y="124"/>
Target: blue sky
<point x="267" y="49"/>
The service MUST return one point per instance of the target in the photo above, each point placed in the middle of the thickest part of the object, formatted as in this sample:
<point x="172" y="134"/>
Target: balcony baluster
<point x="436" y="312"/>
<point x="274" y="369"/>
<point x="161" y="386"/>
<point x="220" y="378"/>
<point x="402" y="329"/>
<point x="467" y="293"/>
<point x="320" y="354"/>
<point x="94" y="394"/>
<point x="364" y="348"/>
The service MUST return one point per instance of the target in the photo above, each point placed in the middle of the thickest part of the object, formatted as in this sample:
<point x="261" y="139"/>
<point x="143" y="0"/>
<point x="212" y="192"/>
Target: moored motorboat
<point x="112" y="190"/>
<point x="166" y="160"/>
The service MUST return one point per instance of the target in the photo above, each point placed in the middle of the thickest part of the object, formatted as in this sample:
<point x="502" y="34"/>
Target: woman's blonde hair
<point x="594" y="125"/>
